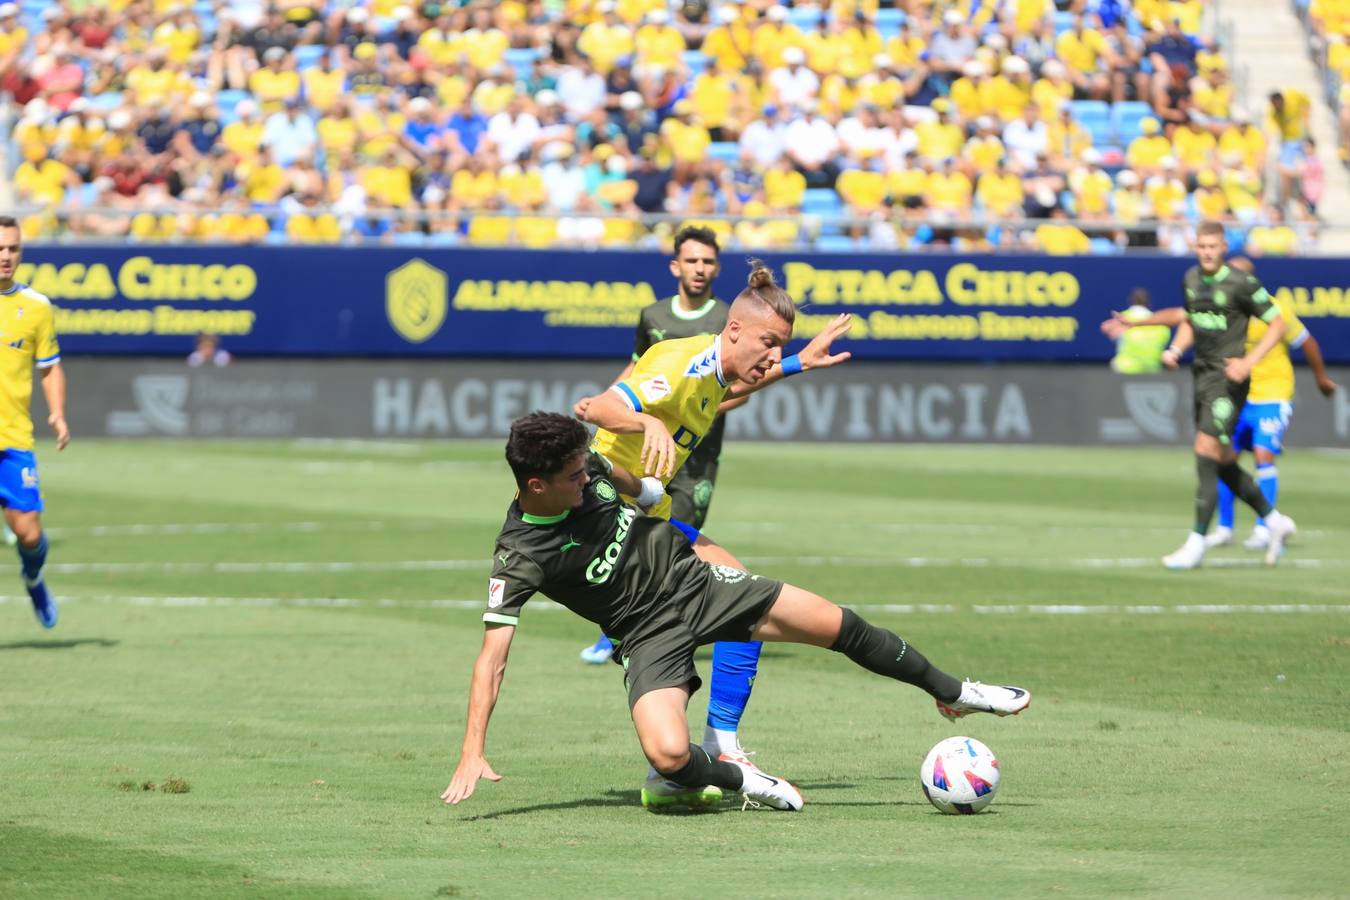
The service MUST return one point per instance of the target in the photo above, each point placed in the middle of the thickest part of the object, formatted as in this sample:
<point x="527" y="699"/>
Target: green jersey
<point x="1219" y="308"/>
<point x="666" y="320"/>
<point x="627" y="572"/>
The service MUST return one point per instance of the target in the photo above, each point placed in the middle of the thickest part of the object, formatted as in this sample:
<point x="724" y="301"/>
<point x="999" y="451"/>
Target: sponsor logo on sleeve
<point x="496" y="592"/>
<point x="655" y="389"/>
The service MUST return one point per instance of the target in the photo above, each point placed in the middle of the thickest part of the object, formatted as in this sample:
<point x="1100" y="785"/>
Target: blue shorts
<point x="1263" y="425"/>
<point x="687" y="530"/>
<point x="19" y="481"/>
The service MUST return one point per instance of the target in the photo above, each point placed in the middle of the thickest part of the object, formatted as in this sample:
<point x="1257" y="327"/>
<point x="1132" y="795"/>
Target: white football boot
<point x="1219" y="537"/>
<point x="1259" y="539"/>
<point x="1281" y="529"/>
<point x="1188" y="556"/>
<point x="761" y="789"/>
<point x="1001" y="700"/>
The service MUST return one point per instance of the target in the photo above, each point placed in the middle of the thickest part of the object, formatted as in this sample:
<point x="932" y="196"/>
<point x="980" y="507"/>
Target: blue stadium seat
<point x="1103" y="246"/>
<point x="307" y="55"/>
<point x="1095" y="116"/>
<point x="1125" y="118"/>
<point x="1063" y="22"/>
<point x="228" y="99"/>
<point x="520" y="59"/>
<point x="805" y="17"/>
<point x="888" y="22"/>
<point x="724" y="151"/>
<point x="106" y="101"/>
<point x="821" y="202"/>
<point x="696" y="62"/>
<point x="836" y="243"/>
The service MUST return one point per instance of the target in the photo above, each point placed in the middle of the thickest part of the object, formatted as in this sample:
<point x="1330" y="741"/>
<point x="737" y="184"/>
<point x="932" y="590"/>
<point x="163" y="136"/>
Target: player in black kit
<point x="569" y="536"/>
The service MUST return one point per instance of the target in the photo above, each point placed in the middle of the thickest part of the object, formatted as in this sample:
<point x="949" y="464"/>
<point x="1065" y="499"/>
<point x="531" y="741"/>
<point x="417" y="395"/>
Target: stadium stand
<point x="918" y="124"/>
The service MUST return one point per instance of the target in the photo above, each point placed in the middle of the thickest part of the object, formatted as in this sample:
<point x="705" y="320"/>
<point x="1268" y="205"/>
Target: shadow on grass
<point x="59" y="645"/>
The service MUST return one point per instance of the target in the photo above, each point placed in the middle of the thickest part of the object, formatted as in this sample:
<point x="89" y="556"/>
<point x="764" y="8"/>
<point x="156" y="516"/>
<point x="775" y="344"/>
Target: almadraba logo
<point x="416" y="297"/>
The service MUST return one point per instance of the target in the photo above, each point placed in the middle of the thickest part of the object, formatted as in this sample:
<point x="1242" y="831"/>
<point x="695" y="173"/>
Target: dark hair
<point x="1211" y="228"/>
<point x="1140" y="297"/>
<point x="696" y="233"/>
<point x="8" y="222"/>
<point x="761" y="288"/>
<point x="541" y="443"/>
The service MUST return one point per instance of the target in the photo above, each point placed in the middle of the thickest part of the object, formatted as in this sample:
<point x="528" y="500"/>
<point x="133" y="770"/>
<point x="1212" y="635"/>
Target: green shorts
<point x="691" y="490"/>
<point x="1218" y="402"/>
<point x="730" y="605"/>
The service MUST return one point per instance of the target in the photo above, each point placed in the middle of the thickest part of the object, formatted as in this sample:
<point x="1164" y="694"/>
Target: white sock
<point x="722" y="741"/>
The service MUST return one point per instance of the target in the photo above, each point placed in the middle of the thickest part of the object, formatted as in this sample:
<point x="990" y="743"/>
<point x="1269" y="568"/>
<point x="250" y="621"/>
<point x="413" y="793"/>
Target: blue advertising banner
<point x="401" y="302"/>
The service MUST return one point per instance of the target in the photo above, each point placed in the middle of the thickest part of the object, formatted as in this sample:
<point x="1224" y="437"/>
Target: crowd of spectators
<point x="972" y="124"/>
<point x="1328" y="26"/>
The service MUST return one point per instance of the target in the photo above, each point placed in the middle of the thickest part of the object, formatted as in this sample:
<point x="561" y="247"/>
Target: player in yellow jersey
<point x="651" y="419"/>
<point x="1266" y="415"/>
<point x="29" y="335"/>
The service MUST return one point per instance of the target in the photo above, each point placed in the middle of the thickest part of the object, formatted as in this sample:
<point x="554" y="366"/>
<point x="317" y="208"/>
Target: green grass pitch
<point x="258" y="684"/>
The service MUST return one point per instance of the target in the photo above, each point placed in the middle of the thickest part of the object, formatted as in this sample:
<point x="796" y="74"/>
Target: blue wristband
<point x="791" y="365"/>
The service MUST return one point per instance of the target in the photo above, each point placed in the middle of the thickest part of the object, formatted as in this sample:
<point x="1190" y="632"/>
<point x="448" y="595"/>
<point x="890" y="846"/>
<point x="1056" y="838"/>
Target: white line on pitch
<point x="1061" y="609"/>
<point x="455" y="565"/>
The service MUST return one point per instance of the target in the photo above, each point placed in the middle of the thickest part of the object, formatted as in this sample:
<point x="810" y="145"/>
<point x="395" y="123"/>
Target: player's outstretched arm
<point x="607" y="411"/>
<point x="815" y="355"/>
<point x="54" y="389"/>
<point x="646" y="491"/>
<point x="488" y="672"/>
<point x="1117" y="325"/>
<point x="1312" y="352"/>
<point x="579" y="408"/>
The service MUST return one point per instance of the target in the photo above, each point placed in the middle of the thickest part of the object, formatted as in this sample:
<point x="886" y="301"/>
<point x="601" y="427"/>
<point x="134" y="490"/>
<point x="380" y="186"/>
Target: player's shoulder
<point x="674" y="351"/>
<point x="27" y="293"/>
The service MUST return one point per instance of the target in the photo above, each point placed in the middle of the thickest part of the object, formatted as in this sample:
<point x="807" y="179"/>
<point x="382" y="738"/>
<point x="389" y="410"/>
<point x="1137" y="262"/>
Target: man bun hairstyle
<point x="762" y="288"/>
<point x="542" y="443"/>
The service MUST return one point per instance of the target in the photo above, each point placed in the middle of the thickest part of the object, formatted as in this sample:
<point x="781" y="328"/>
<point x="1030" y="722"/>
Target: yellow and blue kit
<point x="28" y="333"/>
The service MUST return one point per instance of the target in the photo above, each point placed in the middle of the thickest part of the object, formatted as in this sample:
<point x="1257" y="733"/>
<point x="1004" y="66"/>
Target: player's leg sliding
<point x="886" y="653"/>
<point x="734" y="665"/>
<point x="702" y="775"/>
<point x="32" y="559"/>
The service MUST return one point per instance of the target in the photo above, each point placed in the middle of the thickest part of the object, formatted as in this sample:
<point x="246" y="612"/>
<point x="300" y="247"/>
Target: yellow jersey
<point x="28" y="329"/>
<point x="1273" y="377"/>
<point x="679" y="382"/>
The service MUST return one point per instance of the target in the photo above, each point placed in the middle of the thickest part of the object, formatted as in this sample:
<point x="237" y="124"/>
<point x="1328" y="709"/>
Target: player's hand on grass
<point x="816" y="354"/>
<point x="1237" y="369"/>
<point x="62" y="430"/>
<point x="1326" y="386"/>
<point x="658" y="448"/>
<point x="467" y="773"/>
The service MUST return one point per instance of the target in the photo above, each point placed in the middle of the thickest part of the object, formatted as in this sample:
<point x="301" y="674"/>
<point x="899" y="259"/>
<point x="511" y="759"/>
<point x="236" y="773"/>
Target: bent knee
<point x="668" y="758"/>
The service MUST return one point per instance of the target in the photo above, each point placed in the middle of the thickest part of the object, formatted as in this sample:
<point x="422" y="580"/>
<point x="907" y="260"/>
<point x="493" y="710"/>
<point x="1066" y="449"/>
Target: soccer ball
<point x="959" y="776"/>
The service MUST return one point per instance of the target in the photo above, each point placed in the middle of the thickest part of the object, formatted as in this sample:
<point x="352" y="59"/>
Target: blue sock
<point x="604" y="643"/>
<point x="733" y="675"/>
<point x="1268" y="477"/>
<point x="1225" y="506"/>
<point x="32" y="558"/>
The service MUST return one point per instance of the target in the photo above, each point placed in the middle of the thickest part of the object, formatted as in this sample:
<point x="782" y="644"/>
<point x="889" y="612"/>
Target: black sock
<point x="703" y="769"/>
<point x="886" y="653"/>
<point x="1206" y="491"/>
<point x="1245" y="488"/>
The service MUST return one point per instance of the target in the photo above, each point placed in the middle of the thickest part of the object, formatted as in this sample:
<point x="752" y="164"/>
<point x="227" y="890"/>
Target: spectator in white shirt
<point x="1026" y="138"/>
<point x="812" y="145"/>
<point x="513" y="131"/>
<point x="764" y="137"/>
<point x="581" y="88"/>
<point x="793" y="83"/>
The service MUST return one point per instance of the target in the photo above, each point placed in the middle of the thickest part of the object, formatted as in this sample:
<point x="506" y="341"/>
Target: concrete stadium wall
<point x="866" y="402"/>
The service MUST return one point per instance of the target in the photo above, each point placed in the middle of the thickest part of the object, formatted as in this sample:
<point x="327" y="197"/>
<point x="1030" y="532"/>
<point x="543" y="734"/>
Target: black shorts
<point x="691" y="490"/>
<point x="731" y="604"/>
<point x="1218" y="402"/>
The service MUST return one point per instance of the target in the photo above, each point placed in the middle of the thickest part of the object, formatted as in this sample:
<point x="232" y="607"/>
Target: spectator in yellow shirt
<point x="1087" y="56"/>
<point x="863" y="190"/>
<point x="772" y="37"/>
<point x="243" y="136"/>
<point x="324" y="83"/>
<point x="658" y="43"/>
<point x="263" y="180"/>
<point x="1210" y="203"/>
<point x="729" y="43"/>
<point x="607" y="39"/>
<point x="274" y="84"/>
<point x="984" y="152"/>
<point x="389" y="183"/>
<point x="784" y="186"/>
<point x="1193" y="147"/>
<point x="1091" y="187"/>
<point x="1058" y="238"/>
<point x="1166" y="192"/>
<point x="484" y="44"/>
<point x="42" y="180"/>
<point x="1066" y="140"/>
<point x="1146" y="152"/>
<point x="1053" y="90"/>
<point x="941" y="138"/>
<point x="1000" y="192"/>
<point x="949" y="190"/>
<point x="1244" y="139"/>
<point x="1273" y="239"/>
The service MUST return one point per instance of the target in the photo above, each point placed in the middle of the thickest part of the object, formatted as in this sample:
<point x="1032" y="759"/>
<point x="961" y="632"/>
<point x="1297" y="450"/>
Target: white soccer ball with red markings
<point x="959" y="776"/>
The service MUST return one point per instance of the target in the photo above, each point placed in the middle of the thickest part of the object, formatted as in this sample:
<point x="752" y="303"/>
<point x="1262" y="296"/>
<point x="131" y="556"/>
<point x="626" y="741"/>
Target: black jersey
<point x="667" y="320"/>
<point x="627" y="572"/>
<point x="1220" y="307"/>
